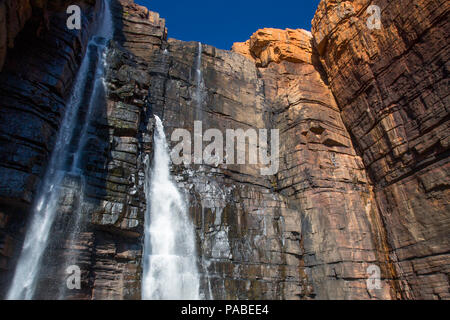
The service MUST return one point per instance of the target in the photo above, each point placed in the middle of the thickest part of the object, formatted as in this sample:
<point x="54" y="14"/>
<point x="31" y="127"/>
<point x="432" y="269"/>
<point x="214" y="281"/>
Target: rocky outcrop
<point x="362" y="176"/>
<point x="274" y="45"/>
<point x="139" y="30"/>
<point x="391" y="85"/>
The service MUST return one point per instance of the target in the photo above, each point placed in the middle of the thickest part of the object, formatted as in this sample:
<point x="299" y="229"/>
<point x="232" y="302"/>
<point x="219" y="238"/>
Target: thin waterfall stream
<point x="46" y="206"/>
<point x="199" y="98"/>
<point x="199" y="94"/>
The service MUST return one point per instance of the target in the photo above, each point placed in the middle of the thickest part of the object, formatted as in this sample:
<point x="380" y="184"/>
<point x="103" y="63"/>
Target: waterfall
<point x="200" y="94"/>
<point x="199" y="99"/>
<point x="199" y="63"/>
<point x="46" y="206"/>
<point x="169" y="259"/>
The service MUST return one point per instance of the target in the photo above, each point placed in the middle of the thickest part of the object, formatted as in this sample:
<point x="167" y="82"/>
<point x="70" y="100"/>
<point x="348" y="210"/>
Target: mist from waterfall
<point x="169" y="258"/>
<point x="45" y="209"/>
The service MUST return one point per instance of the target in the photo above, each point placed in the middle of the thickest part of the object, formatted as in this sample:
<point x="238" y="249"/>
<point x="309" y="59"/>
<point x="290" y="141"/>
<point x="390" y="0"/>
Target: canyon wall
<point x="363" y="169"/>
<point x="391" y="86"/>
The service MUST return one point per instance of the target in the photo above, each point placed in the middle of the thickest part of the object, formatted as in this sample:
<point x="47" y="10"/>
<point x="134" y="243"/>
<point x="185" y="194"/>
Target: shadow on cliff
<point x="315" y="59"/>
<point x="35" y="84"/>
<point x="117" y="11"/>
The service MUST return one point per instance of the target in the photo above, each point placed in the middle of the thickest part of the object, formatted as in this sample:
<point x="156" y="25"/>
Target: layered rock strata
<point x="391" y="86"/>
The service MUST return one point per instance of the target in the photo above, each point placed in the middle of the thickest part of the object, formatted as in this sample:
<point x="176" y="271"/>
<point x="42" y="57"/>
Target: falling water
<point x="199" y="98"/>
<point x="170" y="270"/>
<point x="199" y="95"/>
<point x="100" y="41"/>
<point x="45" y="210"/>
<point x="199" y="63"/>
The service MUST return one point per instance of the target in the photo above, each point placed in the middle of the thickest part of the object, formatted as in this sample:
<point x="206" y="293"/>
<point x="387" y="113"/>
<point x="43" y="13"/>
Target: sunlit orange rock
<point x="274" y="45"/>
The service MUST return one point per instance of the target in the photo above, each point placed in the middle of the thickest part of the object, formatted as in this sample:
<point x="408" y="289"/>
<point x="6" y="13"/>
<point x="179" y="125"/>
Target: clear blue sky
<point x="220" y="23"/>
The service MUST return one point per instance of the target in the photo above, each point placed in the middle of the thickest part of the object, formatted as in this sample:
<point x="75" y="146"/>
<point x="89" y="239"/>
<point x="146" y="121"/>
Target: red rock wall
<point x="391" y="86"/>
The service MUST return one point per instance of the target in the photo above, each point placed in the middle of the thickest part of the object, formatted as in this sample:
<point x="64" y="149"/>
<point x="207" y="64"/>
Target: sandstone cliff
<point x="391" y="86"/>
<point x="363" y="158"/>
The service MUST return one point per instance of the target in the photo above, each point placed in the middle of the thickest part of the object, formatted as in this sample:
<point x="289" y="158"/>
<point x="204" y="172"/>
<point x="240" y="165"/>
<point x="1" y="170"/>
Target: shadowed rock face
<point x="39" y="69"/>
<point x="15" y="14"/>
<point x="274" y="45"/>
<point x="363" y="155"/>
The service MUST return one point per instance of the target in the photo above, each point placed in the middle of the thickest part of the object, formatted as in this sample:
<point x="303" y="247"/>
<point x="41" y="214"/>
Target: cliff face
<point x="320" y="173"/>
<point x="391" y="86"/>
<point x="363" y="169"/>
<point x="39" y="69"/>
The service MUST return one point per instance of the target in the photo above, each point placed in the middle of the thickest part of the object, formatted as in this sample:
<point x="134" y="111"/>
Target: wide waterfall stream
<point x="169" y="259"/>
<point x="65" y="161"/>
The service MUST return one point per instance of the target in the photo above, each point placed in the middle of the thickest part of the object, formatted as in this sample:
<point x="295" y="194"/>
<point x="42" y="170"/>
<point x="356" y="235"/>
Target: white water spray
<point x="45" y="210"/>
<point x="169" y="260"/>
